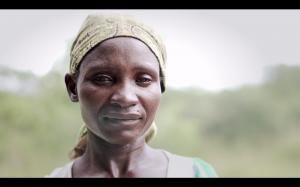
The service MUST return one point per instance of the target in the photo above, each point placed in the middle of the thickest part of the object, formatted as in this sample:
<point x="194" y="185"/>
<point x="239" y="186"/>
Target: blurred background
<point x="232" y="98"/>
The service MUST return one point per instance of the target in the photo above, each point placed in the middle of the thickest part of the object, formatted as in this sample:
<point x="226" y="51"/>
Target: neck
<point x="111" y="159"/>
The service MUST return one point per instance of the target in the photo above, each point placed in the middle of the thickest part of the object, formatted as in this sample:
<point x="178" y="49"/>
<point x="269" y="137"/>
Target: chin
<point x="123" y="138"/>
<point x="118" y="138"/>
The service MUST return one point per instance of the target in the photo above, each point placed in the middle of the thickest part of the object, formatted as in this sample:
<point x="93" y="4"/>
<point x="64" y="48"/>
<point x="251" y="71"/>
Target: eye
<point x="143" y="80"/>
<point x="102" y="78"/>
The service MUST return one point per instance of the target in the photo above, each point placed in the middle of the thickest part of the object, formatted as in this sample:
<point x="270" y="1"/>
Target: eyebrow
<point x="101" y="67"/>
<point x="112" y="68"/>
<point x="98" y="67"/>
<point x="140" y="68"/>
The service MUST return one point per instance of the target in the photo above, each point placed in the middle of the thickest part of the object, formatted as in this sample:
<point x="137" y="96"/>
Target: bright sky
<point x="212" y="49"/>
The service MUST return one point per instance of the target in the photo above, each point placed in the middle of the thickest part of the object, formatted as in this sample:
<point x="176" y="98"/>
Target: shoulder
<point x="62" y="172"/>
<point x="203" y="169"/>
<point x="181" y="166"/>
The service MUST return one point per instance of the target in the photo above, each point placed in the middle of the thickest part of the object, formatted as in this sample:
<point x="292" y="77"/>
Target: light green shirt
<point x="178" y="167"/>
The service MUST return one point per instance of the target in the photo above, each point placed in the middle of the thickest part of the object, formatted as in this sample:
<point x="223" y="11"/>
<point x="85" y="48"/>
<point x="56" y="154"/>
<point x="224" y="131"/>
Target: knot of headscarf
<point x="100" y="27"/>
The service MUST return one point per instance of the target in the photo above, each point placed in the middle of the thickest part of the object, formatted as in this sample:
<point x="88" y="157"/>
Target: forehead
<point x="121" y="52"/>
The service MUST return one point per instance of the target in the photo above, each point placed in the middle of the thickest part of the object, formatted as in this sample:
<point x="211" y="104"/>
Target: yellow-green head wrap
<point x="99" y="27"/>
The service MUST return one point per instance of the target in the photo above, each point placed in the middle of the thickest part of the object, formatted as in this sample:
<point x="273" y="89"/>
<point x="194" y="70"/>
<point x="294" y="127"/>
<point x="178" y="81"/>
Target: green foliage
<point x="247" y="132"/>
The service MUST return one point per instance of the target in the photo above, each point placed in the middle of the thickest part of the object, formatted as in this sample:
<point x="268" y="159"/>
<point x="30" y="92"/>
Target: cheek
<point x="151" y="102"/>
<point x="90" y="100"/>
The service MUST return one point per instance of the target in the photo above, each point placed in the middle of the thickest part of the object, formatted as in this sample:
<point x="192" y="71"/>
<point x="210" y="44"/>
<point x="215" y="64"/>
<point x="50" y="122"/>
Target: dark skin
<point x="118" y="90"/>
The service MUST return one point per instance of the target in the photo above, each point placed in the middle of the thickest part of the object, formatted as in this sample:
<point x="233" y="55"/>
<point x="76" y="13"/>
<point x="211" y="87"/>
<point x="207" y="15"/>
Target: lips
<point x="123" y="118"/>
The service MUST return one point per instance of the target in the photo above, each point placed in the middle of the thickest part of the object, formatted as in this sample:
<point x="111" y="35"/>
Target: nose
<point x="125" y="95"/>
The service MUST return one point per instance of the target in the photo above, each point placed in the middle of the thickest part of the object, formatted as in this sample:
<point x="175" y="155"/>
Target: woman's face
<point x="118" y="89"/>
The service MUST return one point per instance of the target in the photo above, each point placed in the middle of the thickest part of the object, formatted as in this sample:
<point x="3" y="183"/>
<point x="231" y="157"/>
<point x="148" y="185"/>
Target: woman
<point x="117" y="74"/>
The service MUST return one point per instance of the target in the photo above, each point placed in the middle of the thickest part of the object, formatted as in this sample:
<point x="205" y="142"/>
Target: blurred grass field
<point x="252" y="131"/>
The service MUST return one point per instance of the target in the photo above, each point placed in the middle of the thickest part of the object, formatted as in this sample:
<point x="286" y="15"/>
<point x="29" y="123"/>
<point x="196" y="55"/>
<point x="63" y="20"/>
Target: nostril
<point x="124" y="100"/>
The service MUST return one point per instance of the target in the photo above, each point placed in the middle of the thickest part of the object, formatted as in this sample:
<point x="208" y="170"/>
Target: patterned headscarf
<point x="100" y="27"/>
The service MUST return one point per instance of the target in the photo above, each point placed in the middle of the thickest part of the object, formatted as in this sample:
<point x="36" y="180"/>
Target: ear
<point x="162" y="86"/>
<point x="71" y="85"/>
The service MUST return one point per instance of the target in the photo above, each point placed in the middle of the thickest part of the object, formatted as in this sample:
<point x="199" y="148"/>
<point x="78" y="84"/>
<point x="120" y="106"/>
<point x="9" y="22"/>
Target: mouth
<point x="116" y="119"/>
<point x="122" y="122"/>
<point x="123" y="118"/>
